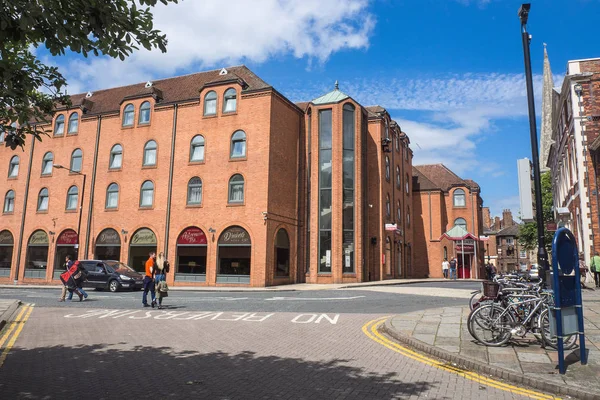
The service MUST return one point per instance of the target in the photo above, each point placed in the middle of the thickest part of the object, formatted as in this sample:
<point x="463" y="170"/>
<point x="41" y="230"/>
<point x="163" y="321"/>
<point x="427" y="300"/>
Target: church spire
<point x="546" y="132"/>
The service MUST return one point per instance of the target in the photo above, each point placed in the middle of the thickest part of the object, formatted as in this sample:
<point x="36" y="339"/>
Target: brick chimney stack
<point x="497" y="225"/>
<point x="487" y="217"/>
<point x="507" y="219"/>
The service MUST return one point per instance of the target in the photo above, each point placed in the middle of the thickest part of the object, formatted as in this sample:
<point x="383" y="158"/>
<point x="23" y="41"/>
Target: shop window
<point x="76" y="159"/>
<point x="9" y="202"/>
<point x="108" y="245"/>
<point x="128" y="115"/>
<point x="282" y="254"/>
<point x="210" y="103"/>
<point x="59" y="125"/>
<point x="191" y="255"/>
<point x="459" y="198"/>
<point x="47" y="162"/>
<point x="112" y="196"/>
<point x="43" y="198"/>
<point x="72" y="196"/>
<point x="197" y="149"/>
<point x="7" y="243"/>
<point x="230" y="101"/>
<point x="236" y="189"/>
<point x="73" y="123"/>
<point x="238" y="145"/>
<point x="194" y="196"/>
<point x="142" y="243"/>
<point x="116" y="157"/>
<point x="36" y="261"/>
<point x="144" y="117"/>
<point x="234" y="256"/>
<point x="150" y="153"/>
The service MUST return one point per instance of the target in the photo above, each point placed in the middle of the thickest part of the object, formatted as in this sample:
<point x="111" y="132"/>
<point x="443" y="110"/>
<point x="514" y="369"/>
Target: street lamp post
<point x="80" y="203"/>
<point x="542" y="255"/>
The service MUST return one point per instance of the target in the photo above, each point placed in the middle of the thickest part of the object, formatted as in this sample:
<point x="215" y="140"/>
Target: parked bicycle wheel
<point x="474" y="300"/>
<point x="569" y="342"/>
<point x="490" y="324"/>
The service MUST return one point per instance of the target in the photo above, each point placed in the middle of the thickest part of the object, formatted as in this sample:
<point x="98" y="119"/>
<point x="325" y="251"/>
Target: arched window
<point x="407" y="185"/>
<point x="144" y="117"/>
<point x="76" y="157"/>
<point x="388" y="207"/>
<point x="236" y="189"/>
<point x="72" y="196"/>
<point x="459" y="198"/>
<point x="116" y="157"/>
<point x="399" y="212"/>
<point x="197" y="149"/>
<point x="47" y="162"/>
<point x="282" y="253"/>
<point x="238" y="145"/>
<point x="59" y="125"/>
<point x="147" y="194"/>
<point x="128" y="115"/>
<point x="73" y="123"/>
<point x="461" y="222"/>
<point x="13" y="167"/>
<point x="398" y="178"/>
<point x="408" y="217"/>
<point x="445" y="253"/>
<point x="112" y="196"/>
<point x="43" y="200"/>
<point x="397" y="140"/>
<point x="194" y="196"/>
<point x="387" y="168"/>
<point x="9" y="201"/>
<point x="150" y="153"/>
<point x="210" y="103"/>
<point x="230" y="101"/>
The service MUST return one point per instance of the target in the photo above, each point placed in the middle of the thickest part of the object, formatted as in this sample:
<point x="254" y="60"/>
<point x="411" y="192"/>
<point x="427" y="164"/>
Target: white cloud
<point x="203" y="34"/>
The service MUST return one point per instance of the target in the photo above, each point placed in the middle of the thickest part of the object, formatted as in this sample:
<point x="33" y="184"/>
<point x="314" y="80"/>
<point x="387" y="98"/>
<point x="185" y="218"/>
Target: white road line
<point x="312" y="298"/>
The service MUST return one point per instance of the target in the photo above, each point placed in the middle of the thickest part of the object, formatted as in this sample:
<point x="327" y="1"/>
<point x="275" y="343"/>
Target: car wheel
<point x="113" y="286"/>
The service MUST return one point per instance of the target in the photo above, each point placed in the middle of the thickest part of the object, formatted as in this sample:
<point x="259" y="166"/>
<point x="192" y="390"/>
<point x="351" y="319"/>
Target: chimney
<point x="487" y="217"/>
<point x="507" y="219"/>
<point x="497" y="225"/>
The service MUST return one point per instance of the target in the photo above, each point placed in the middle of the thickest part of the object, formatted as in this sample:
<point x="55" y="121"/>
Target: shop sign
<point x="108" y="237"/>
<point x="235" y="235"/>
<point x="144" y="237"/>
<point x="38" y="238"/>
<point x="68" y="237"/>
<point x="551" y="226"/>
<point x="6" y="238"/>
<point x="192" y="235"/>
<point x="484" y="238"/>
<point x="391" y="227"/>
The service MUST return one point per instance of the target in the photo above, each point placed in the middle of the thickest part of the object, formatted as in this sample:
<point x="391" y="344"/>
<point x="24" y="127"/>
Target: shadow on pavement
<point x="118" y="371"/>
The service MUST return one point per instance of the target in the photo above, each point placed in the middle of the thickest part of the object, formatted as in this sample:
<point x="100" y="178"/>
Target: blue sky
<point x="449" y="71"/>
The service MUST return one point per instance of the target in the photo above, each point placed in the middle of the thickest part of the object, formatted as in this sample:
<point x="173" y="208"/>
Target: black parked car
<point x="111" y="275"/>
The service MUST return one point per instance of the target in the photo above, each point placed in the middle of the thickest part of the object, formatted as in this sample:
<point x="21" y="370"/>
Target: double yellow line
<point x="13" y="331"/>
<point x="370" y="329"/>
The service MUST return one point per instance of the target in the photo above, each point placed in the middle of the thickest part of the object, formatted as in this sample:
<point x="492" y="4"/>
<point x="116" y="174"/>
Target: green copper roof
<point x="335" y="96"/>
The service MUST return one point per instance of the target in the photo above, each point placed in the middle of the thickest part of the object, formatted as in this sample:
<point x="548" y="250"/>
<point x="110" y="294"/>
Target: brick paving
<point x="443" y="332"/>
<point x="134" y="355"/>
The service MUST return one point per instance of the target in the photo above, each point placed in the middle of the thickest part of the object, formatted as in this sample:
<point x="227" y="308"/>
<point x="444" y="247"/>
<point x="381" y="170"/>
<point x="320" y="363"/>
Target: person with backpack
<point x="453" y="265"/>
<point x="160" y="278"/>
<point x="79" y="277"/>
<point x="69" y="282"/>
<point x="595" y="268"/>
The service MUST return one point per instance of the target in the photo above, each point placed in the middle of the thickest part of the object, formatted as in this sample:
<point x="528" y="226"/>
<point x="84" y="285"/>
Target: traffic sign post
<point x="567" y="316"/>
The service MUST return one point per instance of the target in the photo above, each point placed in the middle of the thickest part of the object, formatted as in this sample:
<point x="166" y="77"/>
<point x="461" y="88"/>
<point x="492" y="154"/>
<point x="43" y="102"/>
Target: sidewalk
<point x="443" y="333"/>
<point x="7" y="308"/>
<point x="280" y="288"/>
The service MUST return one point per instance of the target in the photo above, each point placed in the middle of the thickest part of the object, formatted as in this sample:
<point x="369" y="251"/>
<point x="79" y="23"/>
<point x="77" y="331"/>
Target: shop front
<point x="191" y="255"/>
<point x="282" y="254"/>
<point x="7" y="244"/>
<point x="234" y="256"/>
<point x="108" y="245"/>
<point x="66" y="244"/>
<point x="464" y="250"/>
<point x="141" y="244"/>
<point x="36" y="262"/>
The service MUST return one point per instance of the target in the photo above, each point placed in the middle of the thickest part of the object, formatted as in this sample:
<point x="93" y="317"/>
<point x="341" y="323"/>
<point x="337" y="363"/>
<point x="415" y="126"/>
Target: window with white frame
<point x="388" y="207"/>
<point x="150" y="153"/>
<point x="43" y="198"/>
<point x="128" y="115"/>
<point x="13" y="167"/>
<point x="387" y="168"/>
<point x="459" y="198"/>
<point x="147" y="194"/>
<point x="59" y="125"/>
<point x="236" y="189"/>
<point x="9" y="201"/>
<point x="76" y="159"/>
<point x="72" y="196"/>
<point x="116" y="157"/>
<point x="461" y="222"/>
<point x="112" y="196"/>
<point x="398" y="178"/>
<point x="238" y="145"/>
<point x="399" y="212"/>
<point x="73" y="123"/>
<point x="194" y="191"/>
<point x="210" y="103"/>
<point x="144" y="117"/>
<point x="197" y="149"/>
<point x="47" y="162"/>
<point x="230" y="101"/>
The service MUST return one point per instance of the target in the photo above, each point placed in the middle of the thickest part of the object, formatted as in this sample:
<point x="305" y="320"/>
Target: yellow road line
<point x="370" y="330"/>
<point x="12" y="326"/>
<point x="13" y="339"/>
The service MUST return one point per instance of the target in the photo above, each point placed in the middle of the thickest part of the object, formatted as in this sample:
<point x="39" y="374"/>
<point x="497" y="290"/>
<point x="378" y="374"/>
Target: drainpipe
<point x="92" y="184"/>
<point x="16" y="279"/>
<point x="168" y="222"/>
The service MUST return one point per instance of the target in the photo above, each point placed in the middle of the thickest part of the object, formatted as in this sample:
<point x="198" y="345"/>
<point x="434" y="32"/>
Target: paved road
<point x="305" y="346"/>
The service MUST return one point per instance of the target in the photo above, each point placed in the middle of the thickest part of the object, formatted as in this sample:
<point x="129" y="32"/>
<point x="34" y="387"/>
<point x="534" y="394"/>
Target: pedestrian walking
<point x="582" y="270"/>
<point x="67" y="280"/>
<point x="595" y="268"/>
<point x="453" y="265"/>
<point x="445" y="267"/>
<point x="162" y="289"/>
<point x="80" y="276"/>
<point x="149" y="280"/>
<point x="68" y="263"/>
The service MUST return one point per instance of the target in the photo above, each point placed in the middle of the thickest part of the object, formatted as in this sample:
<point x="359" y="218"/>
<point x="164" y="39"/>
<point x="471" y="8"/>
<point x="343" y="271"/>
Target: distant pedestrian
<point x="80" y="276"/>
<point x="149" y="280"/>
<point x="445" y="267"/>
<point x="68" y="263"/>
<point x="163" y="267"/>
<point x="582" y="270"/>
<point x="595" y="268"/>
<point x="453" y="265"/>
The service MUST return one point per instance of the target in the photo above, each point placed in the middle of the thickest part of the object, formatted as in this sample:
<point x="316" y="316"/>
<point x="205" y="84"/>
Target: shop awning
<point x="458" y="233"/>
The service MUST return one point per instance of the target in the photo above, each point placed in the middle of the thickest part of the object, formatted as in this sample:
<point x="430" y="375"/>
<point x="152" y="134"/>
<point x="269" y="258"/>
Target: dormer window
<point x="59" y="125"/>
<point x="230" y="101"/>
<point x="210" y="103"/>
<point x="73" y="123"/>
<point x="128" y="114"/>
<point x="144" y="113"/>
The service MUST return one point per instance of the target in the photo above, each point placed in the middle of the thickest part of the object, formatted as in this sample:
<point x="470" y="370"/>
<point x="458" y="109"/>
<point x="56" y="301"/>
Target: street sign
<point x="391" y="227"/>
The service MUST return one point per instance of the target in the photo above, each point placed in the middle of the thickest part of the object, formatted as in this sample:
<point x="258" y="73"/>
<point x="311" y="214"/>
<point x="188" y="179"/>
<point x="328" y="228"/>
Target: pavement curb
<point x="6" y="315"/>
<point x="484" y="368"/>
<point x="396" y="282"/>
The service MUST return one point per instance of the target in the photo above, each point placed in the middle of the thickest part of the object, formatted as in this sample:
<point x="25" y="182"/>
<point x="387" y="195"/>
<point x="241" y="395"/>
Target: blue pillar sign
<point x="566" y="318"/>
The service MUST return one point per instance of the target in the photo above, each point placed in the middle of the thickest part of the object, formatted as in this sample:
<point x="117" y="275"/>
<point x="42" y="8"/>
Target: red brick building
<point x="442" y="200"/>
<point x="234" y="182"/>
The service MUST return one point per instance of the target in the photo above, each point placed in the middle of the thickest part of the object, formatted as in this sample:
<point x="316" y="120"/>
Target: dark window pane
<point x="325" y="220"/>
<point x="325" y="251"/>
<point x="325" y="180"/>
